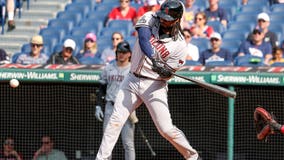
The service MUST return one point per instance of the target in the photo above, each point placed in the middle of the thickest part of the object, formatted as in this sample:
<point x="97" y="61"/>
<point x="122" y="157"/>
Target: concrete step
<point x="14" y="39"/>
<point x="11" y="48"/>
<point x="34" y="14"/>
<point x="31" y="22"/>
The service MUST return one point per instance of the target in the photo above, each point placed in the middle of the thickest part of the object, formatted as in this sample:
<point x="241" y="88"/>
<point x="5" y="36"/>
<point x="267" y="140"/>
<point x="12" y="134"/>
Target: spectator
<point x="90" y="47"/>
<point x="4" y="58"/>
<point x="65" y="56"/>
<point x="149" y="5"/>
<point x="123" y="12"/>
<point x="8" y="152"/>
<point x="277" y="56"/>
<point x="200" y="29"/>
<point x="108" y="54"/>
<point x="215" y="13"/>
<point x="193" y="53"/>
<point x="216" y="53"/>
<point x="190" y="11"/>
<point x="256" y="46"/>
<point x="244" y="2"/>
<point x="46" y="151"/>
<point x="35" y="56"/>
<point x="263" y="22"/>
<point x="10" y="10"/>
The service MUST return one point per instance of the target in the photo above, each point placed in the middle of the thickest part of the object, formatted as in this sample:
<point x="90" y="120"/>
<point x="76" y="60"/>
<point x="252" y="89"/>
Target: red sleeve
<point x="282" y="129"/>
<point x="112" y="13"/>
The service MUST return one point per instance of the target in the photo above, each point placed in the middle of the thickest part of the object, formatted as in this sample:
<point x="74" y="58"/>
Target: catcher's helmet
<point x="170" y="10"/>
<point x="123" y="47"/>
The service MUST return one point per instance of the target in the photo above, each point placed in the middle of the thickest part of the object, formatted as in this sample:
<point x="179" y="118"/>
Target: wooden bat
<point x="214" y="88"/>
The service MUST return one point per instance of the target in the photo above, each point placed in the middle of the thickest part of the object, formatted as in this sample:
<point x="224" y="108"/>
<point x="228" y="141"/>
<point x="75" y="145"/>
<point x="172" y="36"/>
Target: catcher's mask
<point x="170" y="10"/>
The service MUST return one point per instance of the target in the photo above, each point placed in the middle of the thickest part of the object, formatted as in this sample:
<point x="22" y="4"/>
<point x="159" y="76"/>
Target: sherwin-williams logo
<point x="251" y="79"/>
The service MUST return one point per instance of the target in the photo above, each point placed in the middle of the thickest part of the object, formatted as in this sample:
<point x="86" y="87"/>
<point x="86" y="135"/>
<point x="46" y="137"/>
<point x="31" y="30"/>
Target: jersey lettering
<point x="118" y="78"/>
<point x="161" y="48"/>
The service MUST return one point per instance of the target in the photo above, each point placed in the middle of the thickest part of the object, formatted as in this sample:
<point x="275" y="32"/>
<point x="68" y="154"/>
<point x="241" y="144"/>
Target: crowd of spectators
<point x="196" y="24"/>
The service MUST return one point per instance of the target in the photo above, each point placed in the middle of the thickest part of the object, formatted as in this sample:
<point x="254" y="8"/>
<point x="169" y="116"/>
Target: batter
<point x="160" y="39"/>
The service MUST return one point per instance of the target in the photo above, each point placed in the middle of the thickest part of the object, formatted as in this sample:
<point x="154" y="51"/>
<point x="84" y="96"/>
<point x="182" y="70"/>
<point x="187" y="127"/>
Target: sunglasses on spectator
<point x="89" y="40"/>
<point x="256" y="32"/>
<point x="115" y="39"/>
<point x="214" y="39"/>
<point x="261" y="20"/>
<point x="69" y="49"/>
<point x="198" y="19"/>
<point x="36" y="45"/>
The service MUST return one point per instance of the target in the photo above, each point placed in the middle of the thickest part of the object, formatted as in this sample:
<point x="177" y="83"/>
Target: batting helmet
<point x="123" y="47"/>
<point x="171" y="10"/>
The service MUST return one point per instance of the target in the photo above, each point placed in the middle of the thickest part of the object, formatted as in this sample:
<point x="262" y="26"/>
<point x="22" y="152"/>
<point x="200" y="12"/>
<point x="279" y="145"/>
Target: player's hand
<point x="161" y="70"/>
<point x="99" y="113"/>
<point x="133" y="118"/>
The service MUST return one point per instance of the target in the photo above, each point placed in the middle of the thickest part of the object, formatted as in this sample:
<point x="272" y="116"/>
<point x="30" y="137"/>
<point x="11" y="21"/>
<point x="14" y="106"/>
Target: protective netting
<point x="66" y="111"/>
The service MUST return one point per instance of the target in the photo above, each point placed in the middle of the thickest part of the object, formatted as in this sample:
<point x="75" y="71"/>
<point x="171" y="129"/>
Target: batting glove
<point x="99" y="113"/>
<point x="161" y="70"/>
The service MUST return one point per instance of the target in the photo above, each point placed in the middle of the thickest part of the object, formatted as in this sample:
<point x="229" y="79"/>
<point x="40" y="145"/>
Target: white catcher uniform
<point x="145" y="85"/>
<point x="112" y="75"/>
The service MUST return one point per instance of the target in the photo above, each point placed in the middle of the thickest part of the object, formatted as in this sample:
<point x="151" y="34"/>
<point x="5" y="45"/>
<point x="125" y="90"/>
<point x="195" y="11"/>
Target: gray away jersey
<point x="112" y="75"/>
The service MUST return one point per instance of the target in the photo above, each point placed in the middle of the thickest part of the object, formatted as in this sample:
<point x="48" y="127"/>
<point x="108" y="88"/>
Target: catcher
<point x="266" y="124"/>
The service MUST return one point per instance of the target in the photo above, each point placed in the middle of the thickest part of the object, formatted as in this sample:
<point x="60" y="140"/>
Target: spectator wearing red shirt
<point x="149" y="5"/>
<point x="200" y="29"/>
<point x="123" y="12"/>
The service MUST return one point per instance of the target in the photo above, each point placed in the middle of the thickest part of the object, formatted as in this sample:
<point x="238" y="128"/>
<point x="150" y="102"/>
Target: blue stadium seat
<point x="91" y="60"/>
<point x="192" y="63"/>
<point x="105" y="7"/>
<point x="82" y="31"/>
<point x="249" y="60"/>
<point x="258" y="2"/>
<point x="276" y="17"/>
<point x="254" y="9"/>
<point x="278" y="7"/>
<point x="53" y="32"/>
<point x="74" y="16"/>
<point x="219" y="63"/>
<point x="67" y="25"/>
<point x="231" y="11"/>
<point x="15" y="56"/>
<point x="108" y="32"/>
<point x="248" y="18"/>
<point x="98" y="16"/>
<point x="91" y="3"/>
<point x="239" y="35"/>
<point x="121" y="25"/>
<point x="94" y="24"/>
<point x="104" y="42"/>
<point x="217" y="26"/>
<point x="82" y="8"/>
<point x="277" y="64"/>
<point x="201" y="43"/>
<point x="246" y="27"/>
<point x="232" y="45"/>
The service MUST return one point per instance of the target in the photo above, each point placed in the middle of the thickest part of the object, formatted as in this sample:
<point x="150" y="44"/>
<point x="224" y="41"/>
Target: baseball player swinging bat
<point x="214" y="88"/>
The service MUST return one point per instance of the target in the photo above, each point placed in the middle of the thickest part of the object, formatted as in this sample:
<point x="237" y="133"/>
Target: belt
<point x="139" y="76"/>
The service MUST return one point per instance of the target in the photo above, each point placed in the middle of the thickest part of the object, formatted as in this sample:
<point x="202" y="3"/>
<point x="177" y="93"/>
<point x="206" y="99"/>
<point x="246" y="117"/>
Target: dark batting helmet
<point x="123" y="47"/>
<point x="171" y="10"/>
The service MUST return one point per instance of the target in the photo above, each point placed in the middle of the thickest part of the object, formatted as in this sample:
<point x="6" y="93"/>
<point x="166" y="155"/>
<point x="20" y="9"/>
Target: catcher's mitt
<point x="265" y="123"/>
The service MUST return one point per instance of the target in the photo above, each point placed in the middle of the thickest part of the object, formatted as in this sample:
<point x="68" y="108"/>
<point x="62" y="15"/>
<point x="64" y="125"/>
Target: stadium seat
<point x="277" y="64"/>
<point x="277" y="17"/>
<point x="105" y="7"/>
<point x="91" y="3"/>
<point x="248" y="18"/>
<point x="67" y="25"/>
<point x="254" y="9"/>
<point x="121" y="25"/>
<point x="201" y="43"/>
<point x="82" y="31"/>
<point x="278" y="7"/>
<point x="239" y="35"/>
<point x="258" y="2"/>
<point x="91" y="23"/>
<point x="247" y="27"/>
<point x="249" y="60"/>
<point x="231" y="10"/>
<point x="217" y="26"/>
<point x="192" y="63"/>
<point x="76" y="17"/>
<point x="232" y="45"/>
<point x="52" y="33"/>
<point x="219" y="63"/>
<point x="15" y="56"/>
<point x="91" y="60"/>
<point x="104" y="42"/>
<point x="82" y="8"/>
<point x="108" y="32"/>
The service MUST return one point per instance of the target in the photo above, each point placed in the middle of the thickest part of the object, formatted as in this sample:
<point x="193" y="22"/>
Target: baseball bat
<point x="214" y="88"/>
<point x="145" y="140"/>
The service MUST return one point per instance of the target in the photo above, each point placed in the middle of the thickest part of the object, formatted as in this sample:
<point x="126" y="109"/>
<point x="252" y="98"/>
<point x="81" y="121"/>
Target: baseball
<point x="14" y="83"/>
